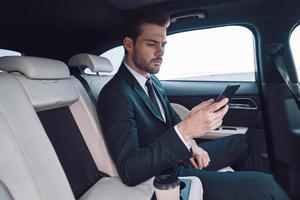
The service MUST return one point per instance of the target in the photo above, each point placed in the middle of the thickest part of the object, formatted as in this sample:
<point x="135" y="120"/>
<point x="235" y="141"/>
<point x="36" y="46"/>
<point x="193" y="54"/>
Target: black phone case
<point x="228" y="91"/>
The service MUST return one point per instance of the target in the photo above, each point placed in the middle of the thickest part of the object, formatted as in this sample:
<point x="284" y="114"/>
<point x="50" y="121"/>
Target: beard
<point x="142" y="63"/>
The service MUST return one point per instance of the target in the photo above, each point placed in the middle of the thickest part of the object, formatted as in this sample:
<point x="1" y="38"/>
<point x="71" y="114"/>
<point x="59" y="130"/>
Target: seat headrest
<point x="93" y="62"/>
<point x="35" y="67"/>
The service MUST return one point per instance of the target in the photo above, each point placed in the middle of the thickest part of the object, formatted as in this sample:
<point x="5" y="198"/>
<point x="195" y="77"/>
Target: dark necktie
<point x="152" y="96"/>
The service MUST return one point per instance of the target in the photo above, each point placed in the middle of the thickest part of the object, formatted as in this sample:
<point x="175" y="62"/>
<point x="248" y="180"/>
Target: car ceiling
<point x="62" y="28"/>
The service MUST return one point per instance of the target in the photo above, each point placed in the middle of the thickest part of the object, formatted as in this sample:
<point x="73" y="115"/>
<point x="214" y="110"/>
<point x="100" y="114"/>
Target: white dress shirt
<point x="142" y="81"/>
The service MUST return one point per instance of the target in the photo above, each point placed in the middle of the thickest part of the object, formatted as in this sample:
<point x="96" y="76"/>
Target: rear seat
<point x="29" y="167"/>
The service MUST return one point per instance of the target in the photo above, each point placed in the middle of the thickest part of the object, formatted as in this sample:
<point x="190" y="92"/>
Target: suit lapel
<point x="139" y="90"/>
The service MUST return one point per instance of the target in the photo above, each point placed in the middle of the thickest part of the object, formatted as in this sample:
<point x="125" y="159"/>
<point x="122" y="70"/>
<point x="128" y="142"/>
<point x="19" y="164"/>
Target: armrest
<point x="112" y="188"/>
<point x="224" y="131"/>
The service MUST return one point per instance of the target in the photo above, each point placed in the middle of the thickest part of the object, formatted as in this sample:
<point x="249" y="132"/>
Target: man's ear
<point x="128" y="44"/>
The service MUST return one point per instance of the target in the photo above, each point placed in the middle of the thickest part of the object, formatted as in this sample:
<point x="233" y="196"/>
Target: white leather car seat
<point x="29" y="167"/>
<point x="43" y="86"/>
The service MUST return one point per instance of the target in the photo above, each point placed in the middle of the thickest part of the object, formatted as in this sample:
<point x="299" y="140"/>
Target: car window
<point x="216" y="54"/>
<point x="5" y="52"/>
<point x="295" y="47"/>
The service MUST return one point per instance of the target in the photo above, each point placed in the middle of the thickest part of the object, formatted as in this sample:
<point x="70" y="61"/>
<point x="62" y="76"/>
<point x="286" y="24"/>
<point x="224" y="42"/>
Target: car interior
<point x="54" y="63"/>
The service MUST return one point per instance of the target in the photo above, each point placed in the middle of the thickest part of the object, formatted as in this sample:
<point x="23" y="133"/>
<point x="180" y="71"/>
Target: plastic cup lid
<point x="166" y="181"/>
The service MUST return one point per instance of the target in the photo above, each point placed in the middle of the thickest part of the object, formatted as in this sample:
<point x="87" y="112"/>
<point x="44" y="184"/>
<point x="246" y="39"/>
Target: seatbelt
<point x="87" y="88"/>
<point x="275" y="52"/>
<point x="77" y="73"/>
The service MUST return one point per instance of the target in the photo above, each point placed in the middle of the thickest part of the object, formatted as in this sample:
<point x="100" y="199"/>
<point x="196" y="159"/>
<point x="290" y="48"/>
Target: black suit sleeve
<point x="135" y="164"/>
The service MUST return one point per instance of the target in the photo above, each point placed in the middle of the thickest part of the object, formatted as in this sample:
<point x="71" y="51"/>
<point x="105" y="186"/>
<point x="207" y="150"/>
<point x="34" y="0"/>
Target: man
<point x="145" y="136"/>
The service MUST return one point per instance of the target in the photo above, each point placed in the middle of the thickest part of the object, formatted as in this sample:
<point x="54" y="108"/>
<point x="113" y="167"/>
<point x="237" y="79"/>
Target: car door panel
<point x="244" y="113"/>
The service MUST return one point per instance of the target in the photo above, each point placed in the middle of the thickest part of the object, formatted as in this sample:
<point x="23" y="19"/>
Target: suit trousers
<point x="246" y="183"/>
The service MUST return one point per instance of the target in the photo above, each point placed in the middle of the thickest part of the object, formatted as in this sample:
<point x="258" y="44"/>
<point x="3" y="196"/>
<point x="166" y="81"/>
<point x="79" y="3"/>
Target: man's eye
<point x="150" y="44"/>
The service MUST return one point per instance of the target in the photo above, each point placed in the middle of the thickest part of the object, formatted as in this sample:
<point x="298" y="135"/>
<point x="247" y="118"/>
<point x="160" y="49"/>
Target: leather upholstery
<point x="93" y="62"/>
<point x="29" y="166"/>
<point x="4" y="193"/>
<point x="35" y="68"/>
<point x="96" y="83"/>
<point x="86" y="117"/>
<point x="49" y="94"/>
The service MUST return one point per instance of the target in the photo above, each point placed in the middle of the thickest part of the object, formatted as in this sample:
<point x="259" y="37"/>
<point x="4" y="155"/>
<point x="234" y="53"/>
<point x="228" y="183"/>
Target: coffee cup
<point x="167" y="187"/>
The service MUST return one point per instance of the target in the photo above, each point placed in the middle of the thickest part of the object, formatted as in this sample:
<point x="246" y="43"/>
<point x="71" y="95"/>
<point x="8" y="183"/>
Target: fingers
<point x="220" y="114"/>
<point x="194" y="164"/>
<point x="206" y="160"/>
<point x="204" y="104"/>
<point x="203" y="162"/>
<point x="216" y="119"/>
<point x="208" y="102"/>
<point x="203" y="118"/>
<point x="222" y="111"/>
<point x="218" y="105"/>
<point x="200" y="162"/>
<point x="201" y="159"/>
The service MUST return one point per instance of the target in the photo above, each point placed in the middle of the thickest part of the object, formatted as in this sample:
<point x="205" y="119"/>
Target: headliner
<point x="61" y="28"/>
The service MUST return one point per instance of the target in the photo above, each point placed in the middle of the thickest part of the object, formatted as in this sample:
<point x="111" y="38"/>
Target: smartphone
<point x="228" y="91"/>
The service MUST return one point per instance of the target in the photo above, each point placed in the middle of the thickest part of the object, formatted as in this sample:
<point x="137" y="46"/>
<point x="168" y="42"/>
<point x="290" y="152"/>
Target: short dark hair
<point x="151" y="16"/>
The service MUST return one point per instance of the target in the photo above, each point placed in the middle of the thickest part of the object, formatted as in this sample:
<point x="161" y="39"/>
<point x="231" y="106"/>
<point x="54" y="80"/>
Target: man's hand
<point x="200" y="157"/>
<point x="203" y="118"/>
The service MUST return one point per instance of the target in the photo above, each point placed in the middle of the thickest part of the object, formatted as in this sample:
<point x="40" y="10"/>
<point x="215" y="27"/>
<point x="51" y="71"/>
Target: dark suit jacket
<point x="141" y="144"/>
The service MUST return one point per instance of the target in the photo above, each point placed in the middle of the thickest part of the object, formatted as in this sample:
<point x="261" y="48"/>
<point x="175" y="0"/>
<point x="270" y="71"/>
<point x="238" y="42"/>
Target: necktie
<point x="152" y="96"/>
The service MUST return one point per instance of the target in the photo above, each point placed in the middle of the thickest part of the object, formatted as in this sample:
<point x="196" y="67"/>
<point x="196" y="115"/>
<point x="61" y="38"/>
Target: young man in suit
<point x="145" y="136"/>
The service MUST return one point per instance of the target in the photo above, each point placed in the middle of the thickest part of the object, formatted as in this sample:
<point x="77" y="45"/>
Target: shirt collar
<point x="141" y="79"/>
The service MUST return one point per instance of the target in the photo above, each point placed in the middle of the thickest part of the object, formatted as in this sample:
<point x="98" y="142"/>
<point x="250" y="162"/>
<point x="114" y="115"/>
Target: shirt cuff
<point x="185" y="142"/>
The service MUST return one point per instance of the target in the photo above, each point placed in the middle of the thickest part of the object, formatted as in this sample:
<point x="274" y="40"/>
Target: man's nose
<point x="160" y="50"/>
